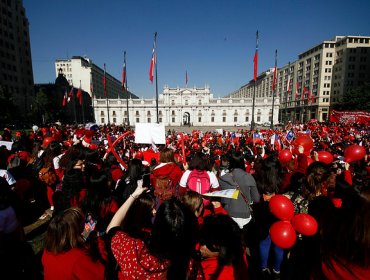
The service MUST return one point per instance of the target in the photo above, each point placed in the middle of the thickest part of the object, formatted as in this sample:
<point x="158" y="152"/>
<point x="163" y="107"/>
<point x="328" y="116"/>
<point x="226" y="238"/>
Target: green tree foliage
<point x="7" y="107"/>
<point x="42" y="107"/>
<point x="356" y="99"/>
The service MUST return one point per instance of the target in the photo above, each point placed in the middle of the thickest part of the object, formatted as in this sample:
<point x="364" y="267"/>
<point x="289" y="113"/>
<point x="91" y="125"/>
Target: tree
<point x="42" y="107"/>
<point x="356" y="99"/>
<point x="7" y="107"/>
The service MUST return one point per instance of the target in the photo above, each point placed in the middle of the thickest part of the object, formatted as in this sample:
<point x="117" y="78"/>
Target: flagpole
<point x="156" y="77"/>
<point x="105" y="92"/>
<point x="125" y="89"/>
<point x="82" y="105"/>
<point x="74" y="105"/>
<point x="92" y="94"/>
<point x="255" y="81"/>
<point x="274" y="91"/>
<point x="287" y="92"/>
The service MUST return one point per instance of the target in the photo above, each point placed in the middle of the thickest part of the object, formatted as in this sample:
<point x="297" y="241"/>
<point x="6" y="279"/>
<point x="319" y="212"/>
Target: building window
<point x="160" y="120"/>
<point x="137" y="120"/>
<point x="137" y="113"/>
<point x="212" y="119"/>
<point x="173" y="120"/>
<point x="114" y="113"/>
<point x="114" y="120"/>
<point x="102" y="120"/>
<point x="148" y="120"/>
<point x="125" y="113"/>
<point x="247" y="119"/>
<point x="186" y="102"/>
<point x="172" y="102"/>
<point x="235" y="119"/>
<point x="223" y="119"/>
<point x="258" y="118"/>
<point x="148" y="113"/>
<point x="199" y="119"/>
<point x="199" y="102"/>
<point x="101" y="113"/>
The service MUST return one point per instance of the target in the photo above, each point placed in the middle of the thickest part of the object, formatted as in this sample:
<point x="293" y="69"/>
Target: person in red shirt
<point x="167" y="252"/>
<point x="167" y="168"/>
<point x="65" y="256"/>
<point x="222" y="251"/>
<point x="345" y="237"/>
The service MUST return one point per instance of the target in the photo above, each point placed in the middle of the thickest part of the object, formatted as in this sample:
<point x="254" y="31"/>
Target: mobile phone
<point x="146" y="180"/>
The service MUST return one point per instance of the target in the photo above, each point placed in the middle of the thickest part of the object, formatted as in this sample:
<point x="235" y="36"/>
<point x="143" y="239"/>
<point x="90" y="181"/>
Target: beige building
<point x="317" y="80"/>
<point x="187" y="106"/>
<point x="16" y="76"/>
<point x="82" y="72"/>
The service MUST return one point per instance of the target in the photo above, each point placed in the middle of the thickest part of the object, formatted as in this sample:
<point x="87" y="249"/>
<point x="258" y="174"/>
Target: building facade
<point x="82" y="73"/>
<point x="16" y="76"/>
<point x="317" y="80"/>
<point x="186" y="106"/>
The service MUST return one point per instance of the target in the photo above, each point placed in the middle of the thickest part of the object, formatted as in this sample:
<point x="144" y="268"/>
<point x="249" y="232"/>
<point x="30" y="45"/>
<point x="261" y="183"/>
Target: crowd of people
<point x="123" y="210"/>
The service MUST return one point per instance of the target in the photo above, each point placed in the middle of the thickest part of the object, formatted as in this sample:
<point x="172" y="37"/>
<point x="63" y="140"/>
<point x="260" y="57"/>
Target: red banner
<point x="350" y="117"/>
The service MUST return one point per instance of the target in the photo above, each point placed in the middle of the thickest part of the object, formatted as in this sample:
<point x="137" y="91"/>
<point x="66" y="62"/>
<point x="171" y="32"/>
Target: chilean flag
<point x="124" y="73"/>
<point x="64" y="101"/>
<point x="255" y="60"/>
<point x="153" y="61"/>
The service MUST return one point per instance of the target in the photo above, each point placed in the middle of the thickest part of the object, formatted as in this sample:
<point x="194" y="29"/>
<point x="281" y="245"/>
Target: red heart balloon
<point x="304" y="224"/>
<point x="325" y="157"/>
<point x="285" y="156"/>
<point x="283" y="234"/>
<point x="281" y="207"/>
<point x="353" y="153"/>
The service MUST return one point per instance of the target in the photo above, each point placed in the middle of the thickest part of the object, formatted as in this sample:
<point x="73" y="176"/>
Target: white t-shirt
<point x="212" y="179"/>
<point x="7" y="176"/>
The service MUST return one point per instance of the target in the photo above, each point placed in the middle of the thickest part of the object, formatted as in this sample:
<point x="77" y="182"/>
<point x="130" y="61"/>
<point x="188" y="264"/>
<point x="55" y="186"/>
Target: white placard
<point x="219" y="131"/>
<point x="149" y="133"/>
<point x="7" y="144"/>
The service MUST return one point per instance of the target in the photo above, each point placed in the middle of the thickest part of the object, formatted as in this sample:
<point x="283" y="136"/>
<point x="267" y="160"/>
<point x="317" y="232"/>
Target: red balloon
<point x="353" y="153"/>
<point x="195" y="146"/>
<point x="305" y="141"/>
<point x="283" y="234"/>
<point x="285" y="156"/>
<point x="139" y="155"/>
<point x="325" y="157"/>
<point x="304" y="224"/>
<point x="309" y="161"/>
<point x="282" y="207"/>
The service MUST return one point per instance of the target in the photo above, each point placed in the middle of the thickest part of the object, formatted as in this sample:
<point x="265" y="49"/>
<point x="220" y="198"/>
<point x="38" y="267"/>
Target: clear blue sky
<point x="214" y="40"/>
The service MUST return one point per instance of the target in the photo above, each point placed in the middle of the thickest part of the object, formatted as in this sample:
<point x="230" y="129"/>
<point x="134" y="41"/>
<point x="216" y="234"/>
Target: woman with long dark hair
<point x="65" y="255"/>
<point x="167" y="252"/>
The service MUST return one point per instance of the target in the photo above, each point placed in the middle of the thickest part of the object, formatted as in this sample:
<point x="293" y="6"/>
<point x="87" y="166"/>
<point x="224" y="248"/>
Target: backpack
<point x="164" y="188"/>
<point x="48" y="176"/>
<point x="199" y="181"/>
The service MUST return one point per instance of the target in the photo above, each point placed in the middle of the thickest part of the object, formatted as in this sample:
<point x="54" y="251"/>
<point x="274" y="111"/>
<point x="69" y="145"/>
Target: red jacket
<point x="171" y="170"/>
<point x="74" y="264"/>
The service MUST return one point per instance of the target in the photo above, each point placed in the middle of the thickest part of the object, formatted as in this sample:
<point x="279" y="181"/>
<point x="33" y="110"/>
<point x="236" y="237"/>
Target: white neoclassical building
<point x="184" y="106"/>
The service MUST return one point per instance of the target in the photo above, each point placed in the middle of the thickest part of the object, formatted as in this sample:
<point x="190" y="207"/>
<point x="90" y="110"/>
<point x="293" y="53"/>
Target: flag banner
<point x="153" y="61"/>
<point x="308" y="95"/>
<point x="255" y="64"/>
<point x="70" y="95"/>
<point x="64" y="101"/>
<point x="79" y="96"/>
<point x="124" y="73"/>
<point x="290" y="135"/>
<point x="7" y="144"/>
<point x="303" y="92"/>
<point x="297" y="90"/>
<point x="255" y="60"/>
<point x="350" y="117"/>
<point x="230" y="193"/>
<point x="288" y="83"/>
<point x="274" y="81"/>
<point x="186" y="78"/>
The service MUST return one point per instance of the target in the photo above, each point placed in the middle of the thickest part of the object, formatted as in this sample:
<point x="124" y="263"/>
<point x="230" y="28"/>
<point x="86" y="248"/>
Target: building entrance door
<point x="186" y="118"/>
